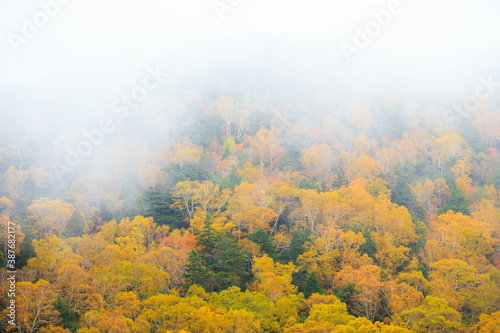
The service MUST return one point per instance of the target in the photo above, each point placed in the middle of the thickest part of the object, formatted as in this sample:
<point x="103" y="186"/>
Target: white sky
<point x="457" y="36"/>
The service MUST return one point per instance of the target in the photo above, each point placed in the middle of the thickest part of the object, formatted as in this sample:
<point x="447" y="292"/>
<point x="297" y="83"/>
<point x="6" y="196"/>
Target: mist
<point x="294" y="60"/>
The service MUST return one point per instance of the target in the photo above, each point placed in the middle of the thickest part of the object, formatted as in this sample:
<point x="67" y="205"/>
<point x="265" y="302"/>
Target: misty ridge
<point x="293" y="85"/>
<point x="236" y="166"/>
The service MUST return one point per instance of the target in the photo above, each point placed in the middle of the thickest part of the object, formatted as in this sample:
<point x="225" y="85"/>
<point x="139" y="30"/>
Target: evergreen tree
<point x="455" y="202"/>
<point x="75" y="226"/>
<point x="156" y="203"/>
<point x="312" y="285"/>
<point x="296" y="247"/>
<point x="344" y="294"/>
<point x="369" y="246"/>
<point x="207" y="239"/>
<point x="232" y="180"/>
<point x="197" y="272"/>
<point x="263" y="239"/>
<point x="68" y="315"/>
<point x="230" y="264"/>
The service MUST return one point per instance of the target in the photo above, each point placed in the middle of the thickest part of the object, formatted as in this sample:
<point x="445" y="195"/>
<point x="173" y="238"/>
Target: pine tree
<point x="75" y="226"/>
<point x="263" y="239"/>
<point x="232" y="180"/>
<point x="312" y="285"/>
<point x="197" y="272"/>
<point x="68" y="315"/>
<point x="455" y="202"/>
<point x="230" y="264"/>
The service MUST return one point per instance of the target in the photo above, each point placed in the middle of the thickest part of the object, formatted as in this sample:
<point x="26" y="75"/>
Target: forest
<point x="258" y="214"/>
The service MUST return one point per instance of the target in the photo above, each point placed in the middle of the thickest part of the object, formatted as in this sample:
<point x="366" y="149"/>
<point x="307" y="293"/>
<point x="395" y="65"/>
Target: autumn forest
<point x="255" y="217"/>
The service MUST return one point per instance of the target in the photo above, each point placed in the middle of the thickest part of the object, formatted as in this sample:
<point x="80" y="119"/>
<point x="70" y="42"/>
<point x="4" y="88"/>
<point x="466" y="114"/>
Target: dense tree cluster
<point x="249" y="219"/>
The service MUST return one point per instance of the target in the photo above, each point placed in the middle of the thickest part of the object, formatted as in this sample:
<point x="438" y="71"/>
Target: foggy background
<point x="269" y="53"/>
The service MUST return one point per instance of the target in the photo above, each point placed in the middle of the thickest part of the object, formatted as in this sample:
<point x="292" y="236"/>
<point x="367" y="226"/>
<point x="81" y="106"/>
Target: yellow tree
<point x="334" y="209"/>
<point x="273" y="279"/>
<point x="446" y="146"/>
<point x="318" y="160"/>
<point x="388" y="253"/>
<point x="441" y="192"/>
<point x="388" y="159"/>
<point x="266" y="147"/>
<point x="152" y="176"/>
<point x="368" y="287"/>
<point x="184" y="193"/>
<point x="424" y="194"/>
<point x="34" y="305"/>
<point x="434" y="315"/>
<point x="332" y="251"/>
<point x="488" y="126"/>
<point x="308" y="212"/>
<point x="414" y="145"/>
<point x="487" y="323"/>
<point x="186" y="155"/>
<point x="366" y="168"/>
<point x="49" y="217"/>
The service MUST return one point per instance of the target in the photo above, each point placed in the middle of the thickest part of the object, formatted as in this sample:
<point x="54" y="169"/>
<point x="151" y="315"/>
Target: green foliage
<point x="27" y="249"/>
<point x="296" y="247"/>
<point x="369" y="246"/>
<point x="206" y="129"/>
<point x="229" y="263"/>
<point x="312" y="286"/>
<point x="156" y="203"/>
<point x="219" y="263"/>
<point x="455" y="202"/>
<point x="263" y="239"/>
<point x="344" y="294"/>
<point x="75" y="226"/>
<point x="69" y="318"/>
<point x="232" y="180"/>
<point x="190" y="171"/>
<point x="308" y="184"/>
<point x="421" y="231"/>
<point x="197" y="272"/>
<point x="425" y="273"/>
<point x="402" y="195"/>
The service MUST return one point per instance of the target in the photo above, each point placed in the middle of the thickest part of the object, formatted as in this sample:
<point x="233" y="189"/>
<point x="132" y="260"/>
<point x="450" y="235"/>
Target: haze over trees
<point x="263" y="185"/>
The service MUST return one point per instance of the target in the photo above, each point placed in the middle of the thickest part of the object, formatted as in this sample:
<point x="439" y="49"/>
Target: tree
<point x="50" y="217"/>
<point x="487" y="323"/>
<point x="318" y="160"/>
<point x="455" y="202"/>
<point x="312" y="285"/>
<point x="434" y="315"/>
<point x="186" y="155"/>
<point x="266" y="147"/>
<point x="364" y="168"/>
<point x="368" y="286"/>
<point x="68" y="315"/>
<point x="265" y="242"/>
<point x="488" y="125"/>
<point x="197" y="272"/>
<point x="35" y="305"/>
<point x="229" y="263"/>
<point x="75" y="226"/>
<point x="152" y="177"/>
<point x="273" y="279"/>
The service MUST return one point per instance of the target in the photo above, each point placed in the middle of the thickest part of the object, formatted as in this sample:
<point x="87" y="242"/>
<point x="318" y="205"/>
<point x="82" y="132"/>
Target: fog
<point x="67" y="76"/>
